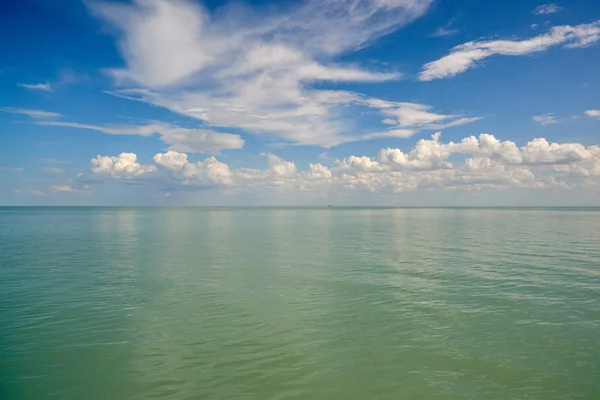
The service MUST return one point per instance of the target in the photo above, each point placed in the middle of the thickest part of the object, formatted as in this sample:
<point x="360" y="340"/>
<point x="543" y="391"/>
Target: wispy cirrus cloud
<point x="12" y="169"/>
<point x="32" y="113"/>
<point x="546" y="119"/>
<point x="55" y="161"/>
<point x="29" y="192"/>
<point x="467" y="55"/>
<point x="71" y="188"/>
<point x="46" y="87"/>
<point x="445" y="30"/>
<point x="546" y="9"/>
<point x="415" y="116"/>
<point x="53" y="170"/>
<point x="251" y="67"/>
<point x="179" y="139"/>
<point x="187" y="39"/>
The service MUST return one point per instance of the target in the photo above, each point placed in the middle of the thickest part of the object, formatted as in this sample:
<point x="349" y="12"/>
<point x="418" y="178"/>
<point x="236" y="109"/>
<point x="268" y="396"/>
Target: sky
<point x="316" y="102"/>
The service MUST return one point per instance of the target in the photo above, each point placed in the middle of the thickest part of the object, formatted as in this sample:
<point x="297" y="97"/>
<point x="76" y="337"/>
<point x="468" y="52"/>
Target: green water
<point x="208" y="303"/>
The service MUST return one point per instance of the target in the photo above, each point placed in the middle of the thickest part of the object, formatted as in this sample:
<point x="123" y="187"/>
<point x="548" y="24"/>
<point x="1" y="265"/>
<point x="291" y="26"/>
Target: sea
<point x="299" y="303"/>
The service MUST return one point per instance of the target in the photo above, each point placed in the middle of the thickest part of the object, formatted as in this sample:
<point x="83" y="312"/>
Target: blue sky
<point x="373" y="102"/>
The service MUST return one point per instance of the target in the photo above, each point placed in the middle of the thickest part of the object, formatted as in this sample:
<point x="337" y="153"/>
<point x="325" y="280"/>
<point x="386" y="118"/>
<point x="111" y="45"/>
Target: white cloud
<point x="593" y="113"/>
<point x="545" y="9"/>
<point x="426" y="155"/>
<point x="308" y="118"/>
<point x="391" y="133"/>
<point x="186" y="39"/>
<point x="12" y="169"/>
<point x="200" y="140"/>
<point x="319" y="171"/>
<point x="171" y="165"/>
<point x="536" y="152"/>
<point x="29" y="192"/>
<point x="254" y="68"/>
<point x="445" y="30"/>
<point x="55" y="161"/>
<point x="467" y="55"/>
<point x="53" y="170"/>
<point x="123" y="166"/>
<point x="490" y="163"/>
<point x="546" y="119"/>
<point x="207" y="172"/>
<point x="175" y="30"/>
<point x="589" y="167"/>
<point x="361" y="164"/>
<point x="70" y="188"/>
<point x="46" y="87"/>
<point x="539" y="151"/>
<point x="142" y="130"/>
<point x="31" y="113"/>
<point x="411" y="117"/>
<point x="281" y="168"/>
<point x="178" y="139"/>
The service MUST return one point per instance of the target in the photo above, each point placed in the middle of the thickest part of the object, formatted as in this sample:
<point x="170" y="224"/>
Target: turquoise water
<point x="208" y="303"/>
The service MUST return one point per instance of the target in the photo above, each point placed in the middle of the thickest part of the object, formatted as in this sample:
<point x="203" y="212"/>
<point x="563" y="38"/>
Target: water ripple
<point x="299" y="303"/>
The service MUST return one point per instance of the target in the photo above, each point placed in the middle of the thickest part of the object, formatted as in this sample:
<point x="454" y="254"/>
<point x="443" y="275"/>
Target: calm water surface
<point x="200" y="303"/>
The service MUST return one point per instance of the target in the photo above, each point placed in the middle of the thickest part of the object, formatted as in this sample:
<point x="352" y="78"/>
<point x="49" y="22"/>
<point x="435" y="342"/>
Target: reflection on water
<point x="299" y="303"/>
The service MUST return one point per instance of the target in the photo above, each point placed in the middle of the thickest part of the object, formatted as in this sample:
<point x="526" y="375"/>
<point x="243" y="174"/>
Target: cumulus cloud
<point x="31" y="113"/>
<point x="207" y="172"/>
<point x="467" y="55"/>
<point x="545" y="9"/>
<point x="426" y="155"/>
<point x="123" y="166"/>
<point x="281" y="168"/>
<point x="46" y="87"/>
<point x="179" y="139"/>
<point x="593" y="113"/>
<point x="588" y="168"/>
<point x="172" y="166"/>
<point x="251" y="67"/>
<point x="539" y="151"/>
<point x="546" y="119"/>
<point x="431" y="163"/>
